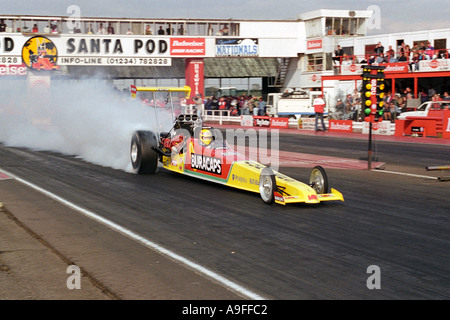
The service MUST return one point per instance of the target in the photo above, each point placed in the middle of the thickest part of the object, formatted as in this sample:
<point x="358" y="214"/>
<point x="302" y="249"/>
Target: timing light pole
<point x="372" y="98"/>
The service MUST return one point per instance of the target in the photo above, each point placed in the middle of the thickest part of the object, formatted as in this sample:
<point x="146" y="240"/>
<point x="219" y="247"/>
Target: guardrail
<point x="220" y="116"/>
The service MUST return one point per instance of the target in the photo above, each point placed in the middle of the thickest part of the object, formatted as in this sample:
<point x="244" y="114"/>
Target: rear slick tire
<point x="143" y="158"/>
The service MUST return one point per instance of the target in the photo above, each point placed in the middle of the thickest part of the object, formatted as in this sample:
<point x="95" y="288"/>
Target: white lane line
<point x="149" y="244"/>
<point x="407" y="174"/>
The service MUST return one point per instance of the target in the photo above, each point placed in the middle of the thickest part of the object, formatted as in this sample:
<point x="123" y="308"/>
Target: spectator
<point x="90" y="29"/>
<point x="256" y="108"/>
<point x="407" y="94"/>
<point x="148" y="30"/>
<point x="169" y="30"/>
<point x="161" y="31"/>
<point x="129" y="32"/>
<point x="394" y="111"/>
<point x="379" y="49"/>
<point x="381" y="58"/>
<point x="390" y="54"/>
<point x="414" y="64"/>
<point x="429" y="51"/>
<point x="338" y="54"/>
<point x="35" y="28"/>
<point x="402" y="58"/>
<point x="2" y="26"/>
<point x="181" y="30"/>
<point x="356" y="95"/>
<point x="339" y="110"/>
<point x="262" y="107"/>
<point x="387" y="111"/>
<point x="446" y="96"/>
<point x="319" y="107"/>
<point x="101" y="29"/>
<point x="225" y="30"/>
<point x="222" y="103"/>
<point x="431" y="91"/>
<point x="407" y="52"/>
<point x="54" y="28"/>
<point x="198" y="104"/>
<point x="423" y="96"/>
<point x="110" y="29"/>
<point x="422" y="47"/>
<point x="346" y="60"/>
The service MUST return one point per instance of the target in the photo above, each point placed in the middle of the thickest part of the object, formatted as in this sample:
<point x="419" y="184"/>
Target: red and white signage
<point x="434" y="65"/>
<point x="261" y="121"/>
<point x="194" y="73"/>
<point x="279" y="123"/>
<point x="341" y="126"/>
<point x="397" y="67"/>
<point x="265" y="121"/>
<point x="314" y="44"/>
<point x="13" y="70"/>
<point x="187" y="46"/>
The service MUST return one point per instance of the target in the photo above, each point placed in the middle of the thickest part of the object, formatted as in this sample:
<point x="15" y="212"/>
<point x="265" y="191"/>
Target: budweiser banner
<point x="13" y="70"/>
<point x="194" y="76"/>
<point x="341" y="126"/>
<point x="279" y="123"/>
<point x="395" y="67"/>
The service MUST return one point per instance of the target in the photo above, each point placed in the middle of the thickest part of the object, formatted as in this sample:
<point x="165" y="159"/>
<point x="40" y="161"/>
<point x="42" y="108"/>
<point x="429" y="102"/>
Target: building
<point x="253" y="56"/>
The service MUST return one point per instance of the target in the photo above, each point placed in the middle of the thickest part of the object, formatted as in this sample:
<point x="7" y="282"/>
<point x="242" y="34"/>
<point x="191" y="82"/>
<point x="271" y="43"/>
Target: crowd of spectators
<point x="351" y="108"/>
<point x="237" y="105"/>
<point x="149" y="29"/>
<point x="421" y="51"/>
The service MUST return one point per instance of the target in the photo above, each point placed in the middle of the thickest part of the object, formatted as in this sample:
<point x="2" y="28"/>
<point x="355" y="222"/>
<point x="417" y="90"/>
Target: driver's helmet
<point x="206" y="137"/>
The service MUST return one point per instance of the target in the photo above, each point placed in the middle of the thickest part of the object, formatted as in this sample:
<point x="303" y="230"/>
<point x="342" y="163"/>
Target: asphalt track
<point x="395" y="218"/>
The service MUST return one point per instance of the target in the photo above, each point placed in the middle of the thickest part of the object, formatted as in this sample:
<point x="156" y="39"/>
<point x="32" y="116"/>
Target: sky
<point x="395" y="15"/>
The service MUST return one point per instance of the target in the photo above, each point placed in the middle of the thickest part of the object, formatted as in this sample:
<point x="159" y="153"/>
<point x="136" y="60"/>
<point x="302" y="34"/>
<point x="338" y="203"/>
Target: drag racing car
<point x="190" y="148"/>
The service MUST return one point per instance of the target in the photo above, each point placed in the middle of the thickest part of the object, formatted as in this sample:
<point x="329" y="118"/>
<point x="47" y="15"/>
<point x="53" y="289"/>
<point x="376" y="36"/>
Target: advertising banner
<point x="341" y="126"/>
<point x="247" y="121"/>
<point x="13" y="70"/>
<point x="237" y="47"/>
<point x="279" y="123"/>
<point x="434" y="65"/>
<point x="194" y="73"/>
<point x="383" y="127"/>
<point x="187" y="46"/>
<point x="261" y="121"/>
<point x="314" y="44"/>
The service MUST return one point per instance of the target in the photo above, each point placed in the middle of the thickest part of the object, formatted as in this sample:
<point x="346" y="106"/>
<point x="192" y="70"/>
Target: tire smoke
<point x="84" y="118"/>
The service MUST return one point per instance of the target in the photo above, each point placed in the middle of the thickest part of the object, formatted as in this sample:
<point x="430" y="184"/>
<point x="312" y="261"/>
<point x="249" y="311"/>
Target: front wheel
<point x="267" y="185"/>
<point x="318" y="180"/>
<point x="143" y="158"/>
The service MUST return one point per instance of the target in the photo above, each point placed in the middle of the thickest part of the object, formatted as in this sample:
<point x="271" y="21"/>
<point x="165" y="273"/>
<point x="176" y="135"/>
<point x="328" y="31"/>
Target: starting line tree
<point x="372" y="94"/>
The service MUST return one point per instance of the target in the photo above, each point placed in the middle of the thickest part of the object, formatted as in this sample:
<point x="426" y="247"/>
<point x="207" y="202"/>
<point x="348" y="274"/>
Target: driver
<point x="206" y="137"/>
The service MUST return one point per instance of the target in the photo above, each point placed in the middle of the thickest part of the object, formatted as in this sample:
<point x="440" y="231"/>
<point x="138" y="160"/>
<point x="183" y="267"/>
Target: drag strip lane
<point x="138" y="238"/>
<point x="292" y="252"/>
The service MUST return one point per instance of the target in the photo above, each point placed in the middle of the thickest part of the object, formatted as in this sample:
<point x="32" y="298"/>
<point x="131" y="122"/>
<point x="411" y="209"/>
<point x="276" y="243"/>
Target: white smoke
<point x="85" y="118"/>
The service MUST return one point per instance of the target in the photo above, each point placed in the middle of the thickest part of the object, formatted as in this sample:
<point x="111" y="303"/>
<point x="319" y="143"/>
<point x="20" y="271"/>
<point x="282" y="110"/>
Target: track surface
<point x="399" y="223"/>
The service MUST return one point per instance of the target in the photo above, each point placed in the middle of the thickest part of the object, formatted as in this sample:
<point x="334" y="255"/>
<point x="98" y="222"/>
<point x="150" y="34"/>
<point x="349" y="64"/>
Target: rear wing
<point x="185" y="89"/>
